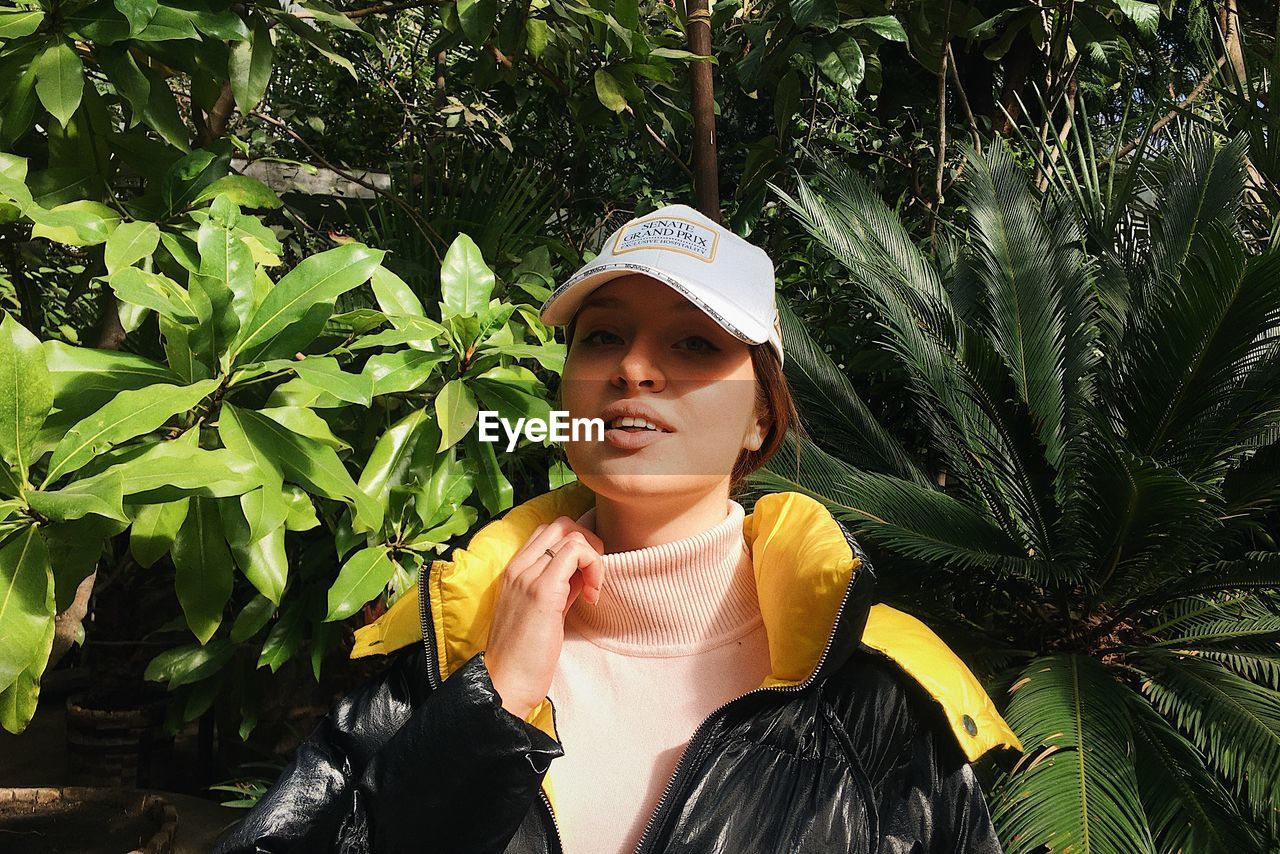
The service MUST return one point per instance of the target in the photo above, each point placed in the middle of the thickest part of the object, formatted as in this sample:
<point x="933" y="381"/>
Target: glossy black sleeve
<point x="389" y="770"/>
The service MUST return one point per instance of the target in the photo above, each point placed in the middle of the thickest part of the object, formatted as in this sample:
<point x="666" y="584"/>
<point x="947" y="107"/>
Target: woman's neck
<point x="643" y="522"/>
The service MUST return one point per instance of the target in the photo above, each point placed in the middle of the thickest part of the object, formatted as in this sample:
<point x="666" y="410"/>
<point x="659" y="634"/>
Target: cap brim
<point x="563" y="304"/>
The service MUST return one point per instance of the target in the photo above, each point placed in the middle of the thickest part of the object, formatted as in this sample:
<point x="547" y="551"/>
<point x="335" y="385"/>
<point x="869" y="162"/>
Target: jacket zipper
<point x="433" y="678"/>
<point x="429" y="643"/>
<point x="682" y="765"/>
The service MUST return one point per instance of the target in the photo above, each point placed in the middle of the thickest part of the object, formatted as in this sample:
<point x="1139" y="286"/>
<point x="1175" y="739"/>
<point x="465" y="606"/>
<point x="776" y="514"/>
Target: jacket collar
<point x="813" y="582"/>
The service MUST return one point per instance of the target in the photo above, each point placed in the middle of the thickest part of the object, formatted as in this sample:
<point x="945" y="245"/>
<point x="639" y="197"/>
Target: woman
<point x="722" y="682"/>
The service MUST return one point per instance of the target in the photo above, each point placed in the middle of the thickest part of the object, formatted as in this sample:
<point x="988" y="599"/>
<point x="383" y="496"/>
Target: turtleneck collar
<point x="677" y="598"/>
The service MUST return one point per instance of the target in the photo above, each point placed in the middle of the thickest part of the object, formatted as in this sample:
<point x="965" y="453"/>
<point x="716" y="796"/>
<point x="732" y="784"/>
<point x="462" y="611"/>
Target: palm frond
<point x="1233" y="721"/>
<point x="916" y="521"/>
<point x="826" y="397"/>
<point x="1187" y="807"/>
<point x="1075" y="789"/>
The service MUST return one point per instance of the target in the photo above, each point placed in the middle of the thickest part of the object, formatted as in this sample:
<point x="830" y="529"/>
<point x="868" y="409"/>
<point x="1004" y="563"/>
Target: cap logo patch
<point x="680" y="235"/>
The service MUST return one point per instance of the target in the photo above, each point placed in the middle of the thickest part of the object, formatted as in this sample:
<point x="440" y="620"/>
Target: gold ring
<point x="548" y="551"/>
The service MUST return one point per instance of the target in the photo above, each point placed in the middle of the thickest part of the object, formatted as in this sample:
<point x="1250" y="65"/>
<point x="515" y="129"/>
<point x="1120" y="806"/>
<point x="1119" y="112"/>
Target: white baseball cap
<point x="716" y="270"/>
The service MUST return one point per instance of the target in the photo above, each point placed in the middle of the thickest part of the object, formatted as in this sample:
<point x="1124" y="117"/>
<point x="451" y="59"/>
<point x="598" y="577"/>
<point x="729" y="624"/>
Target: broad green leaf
<point x="252" y="618"/>
<point x="466" y="282"/>
<point x="394" y="296"/>
<point x="305" y="422"/>
<point x="170" y="470"/>
<point x="302" y="300"/>
<point x="361" y="578"/>
<point x="26" y="393"/>
<point x="390" y="460"/>
<point x="154" y="528"/>
<point x="82" y="223"/>
<point x="84" y="378"/>
<point x="101" y="496"/>
<point x="496" y="492"/>
<point x="156" y="292"/>
<point x="819" y="13"/>
<point x="324" y="372"/>
<point x="452" y="482"/>
<point x="264" y="510"/>
<point x="74" y="551"/>
<point x="539" y="36"/>
<point x="139" y="13"/>
<point x="191" y="663"/>
<point x="456" y="412"/>
<point x="14" y="24"/>
<point x="283" y="639"/>
<point x="417" y="332"/>
<point x="228" y="259"/>
<point x="265" y="563"/>
<point x="394" y="373"/>
<point x="241" y="189"/>
<point x="476" y="18"/>
<point x="130" y="243"/>
<point x="130" y="414"/>
<point x="59" y="80"/>
<point x="302" y="513"/>
<point x="204" y="575"/>
<point x="610" y="91"/>
<point x="26" y="601"/>
<point x="249" y="66"/>
<point x="885" y="26"/>
<point x="304" y="461"/>
<point x="839" y="56"/>
<point x="458" y="524"/>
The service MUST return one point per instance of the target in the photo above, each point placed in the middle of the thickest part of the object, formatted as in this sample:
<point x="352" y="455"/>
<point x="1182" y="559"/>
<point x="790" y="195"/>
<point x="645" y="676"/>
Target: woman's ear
<point x="759" y="429"/>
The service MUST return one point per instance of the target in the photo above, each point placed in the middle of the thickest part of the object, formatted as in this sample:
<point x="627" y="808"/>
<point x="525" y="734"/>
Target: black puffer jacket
<point x="859" y="742"/>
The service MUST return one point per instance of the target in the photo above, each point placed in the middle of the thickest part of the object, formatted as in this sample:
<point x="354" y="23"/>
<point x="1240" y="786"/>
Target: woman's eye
<point x="591" y="335"/>
<point x="709" y="348"/>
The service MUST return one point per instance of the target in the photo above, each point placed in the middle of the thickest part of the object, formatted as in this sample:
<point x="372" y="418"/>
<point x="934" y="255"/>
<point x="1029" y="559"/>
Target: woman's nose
<point x="639" y="365"/>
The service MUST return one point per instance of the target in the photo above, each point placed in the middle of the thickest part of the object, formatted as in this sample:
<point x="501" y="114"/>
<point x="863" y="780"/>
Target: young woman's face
<point x="638" y="340"/>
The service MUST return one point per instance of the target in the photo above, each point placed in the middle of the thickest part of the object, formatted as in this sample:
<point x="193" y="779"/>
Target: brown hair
<point x="772" y="392"/>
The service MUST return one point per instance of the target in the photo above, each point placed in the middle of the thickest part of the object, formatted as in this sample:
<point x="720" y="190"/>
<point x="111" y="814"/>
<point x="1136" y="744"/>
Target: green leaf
<point x="305" y="422"/>
<point x="395" y="373"/>
<point x="394" y="296"/>
<point x="539" y="36"/>
<point x="170" y="470"/>
<point x="417" y="332"/>
<point x="302" y="513"/>
<point x="84" y="378"/>
<point x="390" y="461"/>
<point x="139" y="13"/>
<point x="361" y="578"/>
<point x="885" y="26"/>
<point x="130" y="414"/>
<point x="204" y="575"/>
<point x="820" y="13"/>
<point x="265" y="563"/>
<point x="130" y="243"/>
<point x="154" y="528"/>
<point x="264" y="510"/>
<point x="476" y="17"/>
<point x="26" y="602"/>
<point x="82" y="223"/>
<point x="839" y="56"/>
<point x="228" y="260"/>
<point x="101" y="496"/>
<point x="156" y="292"/>
<point x="466" y="282"/>
<point x="14" y="24"/>
<point x="452" y="482"/>
<point x="188" y="664"/>
<point x="288" y="317"/>
<point x="26" y="393"/>
<point x="456" y="412"/>
<point x="496" y="492"/>
<point x="252" y="618"/>
<point x="610" y="91"/>
<point x="241" y="189"/>
<point x="59" y="80"/>
<point x="304" y="461"/>
<point x="323" y="372"/>
<point x="249" y="66"/>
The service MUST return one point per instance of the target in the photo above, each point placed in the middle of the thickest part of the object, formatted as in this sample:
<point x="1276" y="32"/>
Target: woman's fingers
<point x="575" y="556"/>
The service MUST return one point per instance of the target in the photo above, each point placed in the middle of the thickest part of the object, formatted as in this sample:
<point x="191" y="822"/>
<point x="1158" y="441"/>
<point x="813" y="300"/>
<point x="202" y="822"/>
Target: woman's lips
<point x="630" y="440"/>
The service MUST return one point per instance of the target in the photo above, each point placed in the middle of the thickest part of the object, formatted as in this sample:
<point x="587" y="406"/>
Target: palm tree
<point x="1096" y="378"/>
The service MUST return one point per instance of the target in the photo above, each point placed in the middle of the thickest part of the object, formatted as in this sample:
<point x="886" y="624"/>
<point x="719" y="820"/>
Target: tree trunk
<point x="706" y="182"/>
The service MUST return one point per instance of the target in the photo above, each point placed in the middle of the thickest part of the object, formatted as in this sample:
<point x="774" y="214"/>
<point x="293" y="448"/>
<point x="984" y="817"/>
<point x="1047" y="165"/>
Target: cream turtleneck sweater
<point x="677" y="632"/>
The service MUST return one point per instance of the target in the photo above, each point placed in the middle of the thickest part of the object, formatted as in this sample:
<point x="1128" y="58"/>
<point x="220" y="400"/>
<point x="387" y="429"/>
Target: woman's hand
<point x="527" y="631"/>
